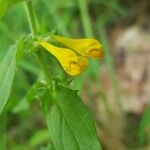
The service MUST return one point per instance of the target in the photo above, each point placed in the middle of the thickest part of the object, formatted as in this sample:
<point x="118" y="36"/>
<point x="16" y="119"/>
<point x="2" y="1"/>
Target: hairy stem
<point x="31" y="18"/>
<point x="39" y="54"/>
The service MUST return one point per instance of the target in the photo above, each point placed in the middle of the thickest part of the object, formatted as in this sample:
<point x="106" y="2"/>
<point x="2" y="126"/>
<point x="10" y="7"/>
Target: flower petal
<point x="86" y="47"/>
<point x="72" y="64"/>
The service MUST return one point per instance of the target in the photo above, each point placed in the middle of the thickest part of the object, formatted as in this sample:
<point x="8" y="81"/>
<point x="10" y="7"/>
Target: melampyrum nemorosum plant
<point x="61" y="59"/>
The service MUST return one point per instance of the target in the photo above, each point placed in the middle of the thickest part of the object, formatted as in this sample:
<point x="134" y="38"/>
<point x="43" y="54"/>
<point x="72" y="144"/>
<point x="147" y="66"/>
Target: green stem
<point x="44" y="68"/>
<point x="110" y="63"/>
<point x="39" y="54"/>
<point x="31" y="18"/>
<point x="85" y="18"/>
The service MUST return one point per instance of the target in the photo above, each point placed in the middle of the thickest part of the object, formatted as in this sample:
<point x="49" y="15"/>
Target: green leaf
<point x="6" y="4"/>
<point x="70" y="125"/>
<point x="144" y="123"/>
<point x="7" y="72"/>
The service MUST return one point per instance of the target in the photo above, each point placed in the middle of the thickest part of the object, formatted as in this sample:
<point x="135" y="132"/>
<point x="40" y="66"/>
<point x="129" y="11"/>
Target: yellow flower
<point x="70" y="61"/>
<point x="86" y="47"/>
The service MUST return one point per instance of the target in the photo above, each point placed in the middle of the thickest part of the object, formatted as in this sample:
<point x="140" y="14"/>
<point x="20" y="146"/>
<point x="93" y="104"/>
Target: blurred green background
<point x="116" y="89"/>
